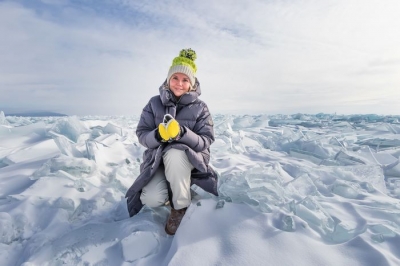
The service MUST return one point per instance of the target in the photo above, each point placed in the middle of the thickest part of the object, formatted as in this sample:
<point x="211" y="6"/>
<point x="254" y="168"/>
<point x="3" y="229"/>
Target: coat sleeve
<point x="146" y="129"/>
<point x="202" y="135"/>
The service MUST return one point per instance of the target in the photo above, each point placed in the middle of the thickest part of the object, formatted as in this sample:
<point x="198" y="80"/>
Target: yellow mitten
<point x="169" y="129"/>
<point x="173" y="128"/>
<point x="163" y="132"/>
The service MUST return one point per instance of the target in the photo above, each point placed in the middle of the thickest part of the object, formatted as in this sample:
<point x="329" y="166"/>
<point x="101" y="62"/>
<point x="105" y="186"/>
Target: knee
<point x="152" y="199"/>
<point x="175" y="157"/>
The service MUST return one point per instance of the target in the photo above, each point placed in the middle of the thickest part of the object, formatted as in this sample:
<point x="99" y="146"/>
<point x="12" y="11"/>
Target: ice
<point x="260" y="186"/>
<point x="80" y="185"/>
<point x="71" y="127"/>
<point x="316" y="216"/>
<point x="275" y="122"/>
<point x="67" y="147"/>
<point x="63" y="182"/>
<point x="383" y="159"/>
<point x="71" y="165"/>
<point x="346" y="189"/>
<point x="382" y="232"/>
<point x="77" y="166"/>
<point x="38" y="149"/>
<point x="138" y="245"/>
<point x="111" y="128"/>
<point x="36" y="130"/>
<point x="301" y="187"/>
<point x="3" y="120"/>
<point x="393" y="171"/>
<point x="261" y="176"/>
<point x="235" y="187"/>
<point x="394" y="128"/>
<point x="312" y="157"/>
<point x="6" y="228"/>
<point x="348" y="158"/>
<point x="220" y="204"/>
<point x="371" y="174"/>
<point x="288" y="224"/>
<point x="380" y="143"/>
<point x="243" y="122"/>
<point x="222" y="145"/>
<point x="125" y="174"/>
<point x="343" y="232"/>
<point x="222" y="125"/>
<point x="108" y="139"/>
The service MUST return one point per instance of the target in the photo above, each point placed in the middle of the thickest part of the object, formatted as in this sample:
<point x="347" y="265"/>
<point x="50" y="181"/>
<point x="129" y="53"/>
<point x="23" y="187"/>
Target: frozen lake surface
<point x="294" y="190"/>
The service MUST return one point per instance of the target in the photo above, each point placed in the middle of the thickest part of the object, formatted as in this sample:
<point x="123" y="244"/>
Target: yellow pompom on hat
<point x="184" y="63"/>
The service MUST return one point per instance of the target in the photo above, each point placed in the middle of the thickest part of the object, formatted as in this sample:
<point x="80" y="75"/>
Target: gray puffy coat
<point x="197" y="134"/>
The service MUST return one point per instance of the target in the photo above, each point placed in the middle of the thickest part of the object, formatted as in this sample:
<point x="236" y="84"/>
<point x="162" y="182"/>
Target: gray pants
<point x="177" y="170"/>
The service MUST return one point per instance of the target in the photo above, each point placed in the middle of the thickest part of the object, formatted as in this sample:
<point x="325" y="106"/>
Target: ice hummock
<point x="318" y="180"/>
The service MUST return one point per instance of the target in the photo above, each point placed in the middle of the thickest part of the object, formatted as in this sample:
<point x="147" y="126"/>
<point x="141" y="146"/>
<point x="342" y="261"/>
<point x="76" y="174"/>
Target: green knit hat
<point x="184" y="63"/>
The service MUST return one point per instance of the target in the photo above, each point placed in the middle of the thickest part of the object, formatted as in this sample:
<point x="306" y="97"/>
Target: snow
<point x="294" y="190"/>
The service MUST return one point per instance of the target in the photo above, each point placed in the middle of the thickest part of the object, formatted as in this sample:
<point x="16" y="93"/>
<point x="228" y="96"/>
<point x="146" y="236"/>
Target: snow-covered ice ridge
<point x="294" y="190"/>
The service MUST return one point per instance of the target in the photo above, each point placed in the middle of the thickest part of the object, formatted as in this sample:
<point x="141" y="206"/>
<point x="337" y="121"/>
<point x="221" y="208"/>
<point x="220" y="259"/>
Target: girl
<point x="177" y="129"/>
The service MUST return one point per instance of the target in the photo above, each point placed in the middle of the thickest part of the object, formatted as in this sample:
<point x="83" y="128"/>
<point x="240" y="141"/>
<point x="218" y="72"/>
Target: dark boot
<point x="174" y="220"/>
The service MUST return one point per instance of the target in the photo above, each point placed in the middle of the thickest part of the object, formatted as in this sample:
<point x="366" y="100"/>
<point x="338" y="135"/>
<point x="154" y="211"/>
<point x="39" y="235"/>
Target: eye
<point x="175" y="77"/>
<point x="185" y="80"/>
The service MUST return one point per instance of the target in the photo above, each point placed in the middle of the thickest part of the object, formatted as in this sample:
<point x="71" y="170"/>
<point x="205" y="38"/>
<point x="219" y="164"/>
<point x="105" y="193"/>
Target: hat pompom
<point x="188" y="53"/>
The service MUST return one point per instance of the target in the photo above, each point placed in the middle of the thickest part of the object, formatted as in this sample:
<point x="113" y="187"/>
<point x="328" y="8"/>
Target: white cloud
<point x="253" y="56"/>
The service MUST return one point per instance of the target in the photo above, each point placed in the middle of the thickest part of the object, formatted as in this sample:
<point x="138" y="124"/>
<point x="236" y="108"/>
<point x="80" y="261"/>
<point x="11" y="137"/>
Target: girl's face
<point x="179" y="84"/>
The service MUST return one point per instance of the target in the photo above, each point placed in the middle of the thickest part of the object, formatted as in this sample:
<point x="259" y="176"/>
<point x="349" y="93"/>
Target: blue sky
<point x="109" y="57"/>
